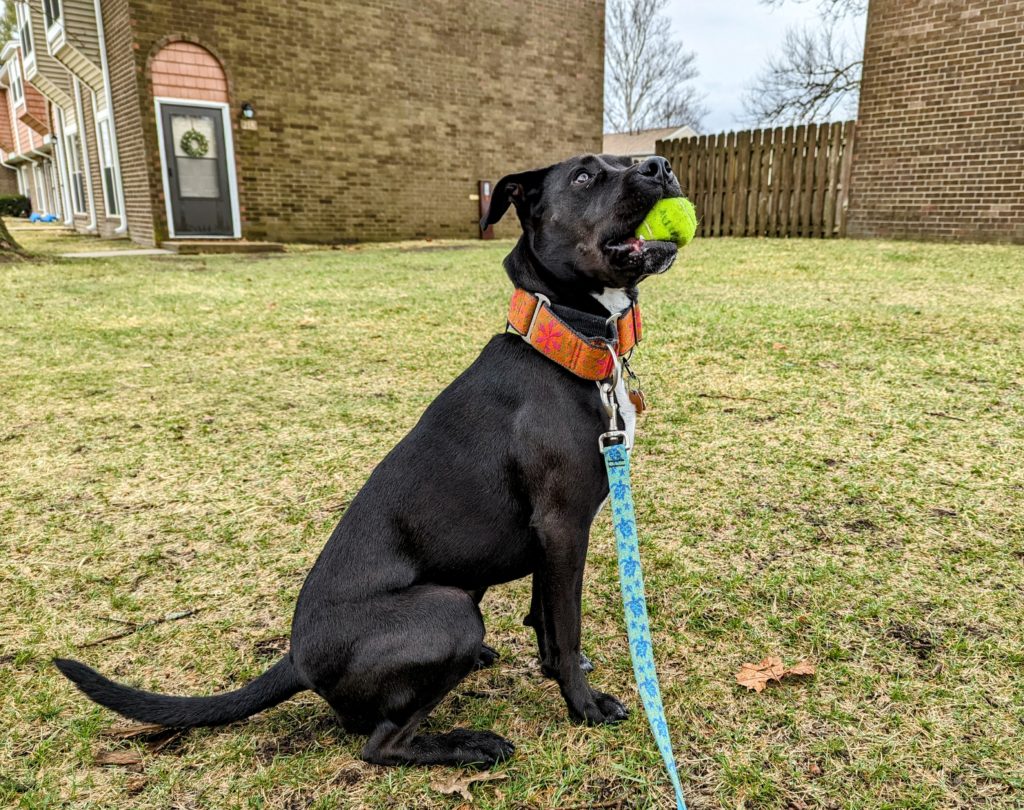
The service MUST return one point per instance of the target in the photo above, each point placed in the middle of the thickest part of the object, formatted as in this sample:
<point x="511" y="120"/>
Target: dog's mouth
<point x="635" y="248"/>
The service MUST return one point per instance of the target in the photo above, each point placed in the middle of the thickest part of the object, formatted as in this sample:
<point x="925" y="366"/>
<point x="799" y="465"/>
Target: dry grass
<point x="831" y="470"/>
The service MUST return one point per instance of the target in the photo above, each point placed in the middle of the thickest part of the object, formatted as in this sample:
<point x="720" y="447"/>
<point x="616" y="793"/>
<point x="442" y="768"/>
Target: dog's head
<point x="579" y="218"/>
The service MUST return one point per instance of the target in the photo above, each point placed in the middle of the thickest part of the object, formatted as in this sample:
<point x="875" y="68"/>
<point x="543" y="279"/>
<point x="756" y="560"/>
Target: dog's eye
<point x="581" y="178"/>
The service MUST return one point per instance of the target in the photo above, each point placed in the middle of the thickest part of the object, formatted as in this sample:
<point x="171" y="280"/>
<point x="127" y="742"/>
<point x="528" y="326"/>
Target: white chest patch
<point x="612" y="299"/>
<point x="615" y="301"/>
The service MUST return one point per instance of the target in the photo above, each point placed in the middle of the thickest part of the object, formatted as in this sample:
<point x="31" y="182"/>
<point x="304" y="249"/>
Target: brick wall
<point x="6" y="132"/>
<point x="376" y="119"/>
<point x="939" y="152"/>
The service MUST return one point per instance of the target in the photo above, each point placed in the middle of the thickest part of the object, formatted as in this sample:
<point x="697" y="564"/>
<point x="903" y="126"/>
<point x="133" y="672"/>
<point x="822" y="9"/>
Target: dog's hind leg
<point x="488" y="655"/>
<point x="417" y="646"/>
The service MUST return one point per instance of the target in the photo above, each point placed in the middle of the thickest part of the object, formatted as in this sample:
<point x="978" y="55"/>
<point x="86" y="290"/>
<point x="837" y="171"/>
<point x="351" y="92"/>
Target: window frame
<point x="51" y="19"/>
<point x="109" y="175"/>
<point x="24" y="19"/>
<point x="76" y="169"/>
<point x="16" y="80"/>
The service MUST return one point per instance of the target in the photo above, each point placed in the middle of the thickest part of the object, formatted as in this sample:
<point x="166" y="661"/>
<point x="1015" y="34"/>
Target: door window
<point x="195" y="152"/>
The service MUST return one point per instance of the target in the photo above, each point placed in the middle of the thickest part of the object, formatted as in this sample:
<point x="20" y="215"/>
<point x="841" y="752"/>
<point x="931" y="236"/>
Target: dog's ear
<point x="522" y="190"/>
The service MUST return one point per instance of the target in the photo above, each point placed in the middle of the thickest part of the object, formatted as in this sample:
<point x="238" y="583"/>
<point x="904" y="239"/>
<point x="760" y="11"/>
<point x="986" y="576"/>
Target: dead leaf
<point x="460" y="783"/>
<point x="757" y="676"/>
<point x="803" y="668"/>
<point x="125" y="759"/>
<point x="134" y="730"/>
<point x="135" y="785"/>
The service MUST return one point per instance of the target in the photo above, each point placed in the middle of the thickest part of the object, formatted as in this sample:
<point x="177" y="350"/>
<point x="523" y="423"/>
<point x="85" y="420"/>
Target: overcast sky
<point x="732" y="38"/>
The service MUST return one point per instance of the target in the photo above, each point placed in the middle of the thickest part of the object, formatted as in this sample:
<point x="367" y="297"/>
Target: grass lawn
<point x="831" y="469"/>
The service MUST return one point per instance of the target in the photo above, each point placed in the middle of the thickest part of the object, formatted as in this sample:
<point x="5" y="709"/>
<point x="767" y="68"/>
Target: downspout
<point x="123" y="227"/>
<point x="91" y="227"/>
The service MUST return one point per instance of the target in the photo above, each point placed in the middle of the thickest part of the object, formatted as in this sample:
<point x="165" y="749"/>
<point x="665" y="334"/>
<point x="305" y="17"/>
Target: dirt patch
<point x="273" y="647"/>
<point x="920" y="642"/>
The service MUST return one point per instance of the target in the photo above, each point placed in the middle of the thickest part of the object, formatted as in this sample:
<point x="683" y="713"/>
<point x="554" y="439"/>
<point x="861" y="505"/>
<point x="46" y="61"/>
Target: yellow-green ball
<point x="671" y="220"/>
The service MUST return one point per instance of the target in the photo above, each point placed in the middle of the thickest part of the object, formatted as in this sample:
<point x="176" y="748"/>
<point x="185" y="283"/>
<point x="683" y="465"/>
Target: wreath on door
<point x="194" y="144"/>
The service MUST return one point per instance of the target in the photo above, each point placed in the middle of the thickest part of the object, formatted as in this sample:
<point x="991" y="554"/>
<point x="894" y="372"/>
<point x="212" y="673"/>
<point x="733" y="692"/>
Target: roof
<point x="639" y="144"/>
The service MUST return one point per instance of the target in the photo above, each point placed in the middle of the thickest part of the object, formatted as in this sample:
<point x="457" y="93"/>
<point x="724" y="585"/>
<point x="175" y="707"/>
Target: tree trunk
<point x="8" y="245"/>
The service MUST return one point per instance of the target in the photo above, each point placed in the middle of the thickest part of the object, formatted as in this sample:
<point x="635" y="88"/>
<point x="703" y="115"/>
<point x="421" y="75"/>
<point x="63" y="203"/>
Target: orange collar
<point x="534" y="318"/>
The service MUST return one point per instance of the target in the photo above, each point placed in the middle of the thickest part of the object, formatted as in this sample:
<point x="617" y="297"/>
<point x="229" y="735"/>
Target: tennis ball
<point x="673" y="219"/>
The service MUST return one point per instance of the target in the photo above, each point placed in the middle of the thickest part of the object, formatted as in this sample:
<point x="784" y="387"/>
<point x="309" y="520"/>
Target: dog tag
<point x="636" y="396"/>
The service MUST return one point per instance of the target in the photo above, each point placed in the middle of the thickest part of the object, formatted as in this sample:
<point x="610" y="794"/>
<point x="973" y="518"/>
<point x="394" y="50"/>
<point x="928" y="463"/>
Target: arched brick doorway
<point x="196" y="150"/>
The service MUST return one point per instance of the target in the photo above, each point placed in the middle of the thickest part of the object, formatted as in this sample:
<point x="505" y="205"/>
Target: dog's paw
<point x="482" y="749"/>
<point x="600" y="709"/>
<point x="488" y="657"/>
<point x="611" y="707"/>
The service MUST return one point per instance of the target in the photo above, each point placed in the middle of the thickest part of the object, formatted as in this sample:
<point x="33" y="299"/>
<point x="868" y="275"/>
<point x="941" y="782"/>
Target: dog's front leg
<point x="535" y="619"/>
<point x="561" y="583"/>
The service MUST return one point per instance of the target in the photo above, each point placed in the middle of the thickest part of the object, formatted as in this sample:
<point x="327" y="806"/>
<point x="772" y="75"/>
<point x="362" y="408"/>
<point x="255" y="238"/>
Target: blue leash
<point x="631" y="578"/>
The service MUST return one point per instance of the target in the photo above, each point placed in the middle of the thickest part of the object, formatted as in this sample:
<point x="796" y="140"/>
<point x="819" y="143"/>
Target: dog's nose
<point x="657" y="167"/>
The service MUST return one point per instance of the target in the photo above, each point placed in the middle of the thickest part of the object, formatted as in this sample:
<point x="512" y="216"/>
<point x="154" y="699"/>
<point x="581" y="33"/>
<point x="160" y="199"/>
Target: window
<point x="14" y="75"/>
<point x="24" y="29"/>
<point x="76" y="176"/>
<point x="42" y="203"/>
<point x="107" y="164"/>
<point x="51" y="11"/>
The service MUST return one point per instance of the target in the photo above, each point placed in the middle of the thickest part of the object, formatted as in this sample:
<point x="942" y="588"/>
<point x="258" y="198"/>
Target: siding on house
<point x="127" y="85"/>
<point x="79" y="49"/>
<point x="48" y="75"/>
<point x="939" y="150"/>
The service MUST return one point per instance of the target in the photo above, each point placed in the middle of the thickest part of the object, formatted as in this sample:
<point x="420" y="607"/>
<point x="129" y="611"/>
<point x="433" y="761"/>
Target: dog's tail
<point x="278" y="683"/>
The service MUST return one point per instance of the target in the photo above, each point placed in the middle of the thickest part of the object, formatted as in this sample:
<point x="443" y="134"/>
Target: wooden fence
<point x="788" y="181"/>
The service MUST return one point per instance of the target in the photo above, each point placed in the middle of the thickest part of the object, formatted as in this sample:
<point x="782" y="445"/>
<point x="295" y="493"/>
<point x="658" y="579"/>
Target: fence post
<point x="849" y="136"/>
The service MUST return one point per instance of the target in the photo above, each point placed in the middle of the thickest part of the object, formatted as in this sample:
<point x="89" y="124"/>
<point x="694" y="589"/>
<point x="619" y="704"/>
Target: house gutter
<point x="123" y="227"/>
<point x="91" y="226"/>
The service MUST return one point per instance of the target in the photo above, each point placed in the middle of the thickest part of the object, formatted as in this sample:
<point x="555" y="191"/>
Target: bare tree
<point x="816" y="74"/>
<point x="817" y="71"/>
<point x="648" y="75"/>
<point x="828" y="9"/>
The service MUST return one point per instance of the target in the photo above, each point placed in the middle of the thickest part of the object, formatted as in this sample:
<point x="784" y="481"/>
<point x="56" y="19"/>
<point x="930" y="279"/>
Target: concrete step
<point x="192" y="247"/>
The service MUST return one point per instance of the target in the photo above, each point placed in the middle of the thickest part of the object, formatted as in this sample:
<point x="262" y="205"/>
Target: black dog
<point x="500" y="479"/>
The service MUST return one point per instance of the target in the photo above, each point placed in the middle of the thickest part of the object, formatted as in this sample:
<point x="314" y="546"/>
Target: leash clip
<point x="613" y="435"/>
<point x="612" y="438"/>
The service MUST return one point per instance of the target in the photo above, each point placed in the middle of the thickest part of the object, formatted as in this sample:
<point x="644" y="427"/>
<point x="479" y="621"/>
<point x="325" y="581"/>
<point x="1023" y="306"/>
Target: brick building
<point x="292" y="121"/>
<point x="939" y="152"/>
